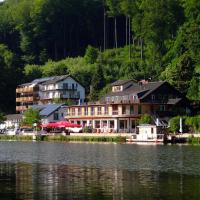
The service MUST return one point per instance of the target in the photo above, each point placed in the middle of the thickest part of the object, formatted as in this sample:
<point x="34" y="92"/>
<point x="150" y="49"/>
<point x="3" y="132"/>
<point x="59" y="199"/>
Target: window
<point x="55" y="116"/>
<point x="123" y="110"/>
<point x="123" y="124"/>
<point x="99" y="110"/>
<point x="162" y="108"/>
<point x="152" y="130"/>
<point x="73" y="111"/>
<point x="72" y="86"/>
<point x="111" y="124"/>
<point x="86" y="111"/>
<point x="79" y="111"/>
<point x="92" y="111"/>
<point x="106" y="110"/>
<point x="131" y="109"/>
<point x="139" y="109"/>
<point x="97" y="124"/>
<point x="107" y="99"/>
<point x="65" y="85"/>
<point x="115" y="110"/>
<point x="153" y="97"/>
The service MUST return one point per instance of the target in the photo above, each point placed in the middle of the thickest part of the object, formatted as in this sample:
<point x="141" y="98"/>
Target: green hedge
<point x="117" y="139"/>
<point x="194" y="140"/>
<point x="15" y="137"/>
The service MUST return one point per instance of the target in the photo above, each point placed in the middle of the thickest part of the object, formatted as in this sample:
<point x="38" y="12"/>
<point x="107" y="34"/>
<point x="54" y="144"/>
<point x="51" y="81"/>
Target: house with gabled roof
<point x="48" y="90"/>
<point x="51" y="112"/>
<point x="120" y="109"/>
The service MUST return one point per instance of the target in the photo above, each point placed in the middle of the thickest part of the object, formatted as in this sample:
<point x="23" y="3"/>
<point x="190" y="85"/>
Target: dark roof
<point x="120" y="82"/>
<point x="174" y="101"/>
<point x="55" y="79"/>
<point x="137" y="88"/>
<point x="47" y="109"/>
<point x="14" y="116"/>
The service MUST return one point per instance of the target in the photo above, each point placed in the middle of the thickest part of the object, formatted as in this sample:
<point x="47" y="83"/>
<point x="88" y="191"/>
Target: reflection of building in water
<point x="36" y="181"/>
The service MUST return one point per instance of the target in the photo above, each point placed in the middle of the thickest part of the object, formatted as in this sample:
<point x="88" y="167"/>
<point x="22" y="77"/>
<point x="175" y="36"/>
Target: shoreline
<point x="88" y="137"/>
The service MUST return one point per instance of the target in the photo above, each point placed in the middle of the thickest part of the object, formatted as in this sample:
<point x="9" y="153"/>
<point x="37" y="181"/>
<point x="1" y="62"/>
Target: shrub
<point x="87" y="129"/>
<point x="145" y="119"/>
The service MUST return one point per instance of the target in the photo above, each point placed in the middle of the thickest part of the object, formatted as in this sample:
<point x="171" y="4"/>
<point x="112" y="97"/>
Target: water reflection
<point x="38" y="181"/>
<point x="98" y="171"/>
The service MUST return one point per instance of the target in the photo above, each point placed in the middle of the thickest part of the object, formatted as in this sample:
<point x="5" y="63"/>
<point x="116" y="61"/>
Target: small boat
<point x="147" y="133"/>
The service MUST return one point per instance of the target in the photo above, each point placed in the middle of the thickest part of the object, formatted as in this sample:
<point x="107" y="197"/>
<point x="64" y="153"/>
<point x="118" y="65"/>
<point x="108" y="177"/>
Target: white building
<point x="12" y="121"/>
<point x="51" y="112"/>
<point x="61" y="87"/>
<point x="49" y="90"/>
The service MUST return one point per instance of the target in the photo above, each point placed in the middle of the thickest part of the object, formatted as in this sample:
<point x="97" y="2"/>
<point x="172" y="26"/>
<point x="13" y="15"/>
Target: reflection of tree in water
<point x="37" y="181"/>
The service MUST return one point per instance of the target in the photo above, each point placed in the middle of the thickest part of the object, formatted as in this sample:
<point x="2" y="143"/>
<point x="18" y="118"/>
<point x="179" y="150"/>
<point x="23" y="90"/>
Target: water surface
<point x="44" y="170"/>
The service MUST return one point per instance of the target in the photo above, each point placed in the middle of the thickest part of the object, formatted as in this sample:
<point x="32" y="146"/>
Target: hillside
<point x="137" y="39"/>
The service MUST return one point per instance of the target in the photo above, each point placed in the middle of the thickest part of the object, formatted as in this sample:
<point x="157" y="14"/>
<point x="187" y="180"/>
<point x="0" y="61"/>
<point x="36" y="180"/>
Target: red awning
<point x="60" y="124"/>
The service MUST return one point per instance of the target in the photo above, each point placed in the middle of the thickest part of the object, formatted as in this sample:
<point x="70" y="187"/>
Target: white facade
<point x="64" y="89"/>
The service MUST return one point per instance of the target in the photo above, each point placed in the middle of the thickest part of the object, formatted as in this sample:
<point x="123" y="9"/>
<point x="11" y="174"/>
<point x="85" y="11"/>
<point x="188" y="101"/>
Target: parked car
<point x="74" y="129"/>
<point x="12" y="131"/>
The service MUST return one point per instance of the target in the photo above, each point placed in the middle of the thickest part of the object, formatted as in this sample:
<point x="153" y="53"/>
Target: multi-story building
<point x="120" y="109"/>
<point x="49" y="90"/>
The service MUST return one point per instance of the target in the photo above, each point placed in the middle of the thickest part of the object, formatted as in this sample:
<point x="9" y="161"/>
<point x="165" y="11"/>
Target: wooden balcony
<point x="25" y="99"/>
<point x="27" y="89"/>
<point x="21" y="108"/>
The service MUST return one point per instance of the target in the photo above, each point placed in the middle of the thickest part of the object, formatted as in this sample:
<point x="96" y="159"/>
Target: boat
<point x="147" y="133"/>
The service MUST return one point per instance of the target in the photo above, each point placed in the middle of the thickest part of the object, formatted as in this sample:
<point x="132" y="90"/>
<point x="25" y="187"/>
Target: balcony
<point x="21" y="108"/>
<point x="115" y="112"/>
<point x="25" y="99"/>
<point x="26" y="90"/>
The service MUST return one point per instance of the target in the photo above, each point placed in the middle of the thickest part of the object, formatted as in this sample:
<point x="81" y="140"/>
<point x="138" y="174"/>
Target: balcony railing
<point x="115" y="112"/>
<point x="25" y="99"/>
<point x="21" y="108"/>
<point x="26" y="90"/>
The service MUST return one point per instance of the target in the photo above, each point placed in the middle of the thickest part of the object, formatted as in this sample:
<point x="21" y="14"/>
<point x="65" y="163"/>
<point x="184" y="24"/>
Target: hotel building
<point x="120" y="110"/>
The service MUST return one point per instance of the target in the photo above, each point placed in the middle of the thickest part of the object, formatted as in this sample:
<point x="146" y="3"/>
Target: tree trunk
<point x="104" y="31"/>
<point x="115" y="19"/>
<point x="129" y="37"/>
<point x="126" y="30"/>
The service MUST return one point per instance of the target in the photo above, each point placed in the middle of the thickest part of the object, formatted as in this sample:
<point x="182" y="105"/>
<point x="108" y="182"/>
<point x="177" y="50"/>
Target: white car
<point x="74" y="130"/>
<point x="12" y="131"/>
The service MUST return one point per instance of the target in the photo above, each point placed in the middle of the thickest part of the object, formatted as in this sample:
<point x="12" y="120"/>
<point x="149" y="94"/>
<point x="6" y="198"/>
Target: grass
<point x="117" y="139"/>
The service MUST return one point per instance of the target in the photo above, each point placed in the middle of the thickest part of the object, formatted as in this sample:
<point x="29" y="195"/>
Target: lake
<point x="45" y="170"/>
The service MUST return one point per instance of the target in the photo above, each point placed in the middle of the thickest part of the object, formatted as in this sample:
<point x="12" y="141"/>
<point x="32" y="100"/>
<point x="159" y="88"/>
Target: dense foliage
<point x="31" y="116"/>
<point x="138" y="39"/>
<point x="145" y="119"/>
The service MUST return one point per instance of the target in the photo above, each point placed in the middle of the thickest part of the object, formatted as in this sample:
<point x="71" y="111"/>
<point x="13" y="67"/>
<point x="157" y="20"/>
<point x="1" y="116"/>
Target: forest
<point x="98" y="42"/>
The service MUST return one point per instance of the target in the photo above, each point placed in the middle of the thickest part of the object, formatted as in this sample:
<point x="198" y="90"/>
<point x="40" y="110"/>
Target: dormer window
<point x="153" y="97"/>
<point x="117" y="88"/>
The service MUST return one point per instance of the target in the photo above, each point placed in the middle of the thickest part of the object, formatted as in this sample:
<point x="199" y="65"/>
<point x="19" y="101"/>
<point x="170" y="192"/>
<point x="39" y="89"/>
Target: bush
<point x="193" y="123"/>
<point x="145" y="119"/>
<point x="174" y="124"/>
<point x="87" y="129"/>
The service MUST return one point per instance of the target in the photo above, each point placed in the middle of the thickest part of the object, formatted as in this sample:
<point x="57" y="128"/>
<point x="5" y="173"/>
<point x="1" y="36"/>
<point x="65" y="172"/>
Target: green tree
<point x="193" y="123"/>
<point x="174" y="124"/>
<point x="145" y="119"/>
<point x="31" y="116"/>
<point x="97" y="83"/>
<point x="2" y="117"/>
<point x="91" y="54"/>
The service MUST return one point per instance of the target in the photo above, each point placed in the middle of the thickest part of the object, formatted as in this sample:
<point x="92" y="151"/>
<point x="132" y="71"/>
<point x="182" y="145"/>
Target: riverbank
<point x="85" y="138"/>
